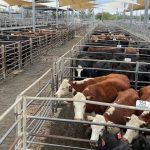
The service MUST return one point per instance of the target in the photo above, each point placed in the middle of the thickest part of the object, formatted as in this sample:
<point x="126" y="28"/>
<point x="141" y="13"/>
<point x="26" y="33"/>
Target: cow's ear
<point x="89" y="97"/>
<point x="140" y="92"/>
<point x="90" y="118"/>
<point x="126" y="119"/>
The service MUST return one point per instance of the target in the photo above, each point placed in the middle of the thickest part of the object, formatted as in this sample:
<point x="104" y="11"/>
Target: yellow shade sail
<point x="20" y="3"/>
<point x="64" y="2"/>
<point x="15" y="2"/>
<point x="73" y="2"/>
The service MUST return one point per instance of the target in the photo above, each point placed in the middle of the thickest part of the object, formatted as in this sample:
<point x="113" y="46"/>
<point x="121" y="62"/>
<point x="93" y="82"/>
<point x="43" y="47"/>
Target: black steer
<point x="111" y="141"/>
<point x="141" y="143"/>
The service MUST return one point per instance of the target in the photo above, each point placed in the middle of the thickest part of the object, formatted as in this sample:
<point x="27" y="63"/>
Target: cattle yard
<point x="43" y="121"/>
<point x="20" y="48"/>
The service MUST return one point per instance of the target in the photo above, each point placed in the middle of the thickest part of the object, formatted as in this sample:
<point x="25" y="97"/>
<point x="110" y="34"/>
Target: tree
<point x="105" y="16"/>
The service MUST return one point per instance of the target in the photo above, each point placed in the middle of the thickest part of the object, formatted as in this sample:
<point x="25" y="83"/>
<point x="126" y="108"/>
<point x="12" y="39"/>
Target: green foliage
<point x="105" y="16"/>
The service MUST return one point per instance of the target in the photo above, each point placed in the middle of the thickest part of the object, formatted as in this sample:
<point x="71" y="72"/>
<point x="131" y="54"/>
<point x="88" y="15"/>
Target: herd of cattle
<point x="112" y="88"/>
<point x="105" y="70"/>
<point x="131" y="58"/>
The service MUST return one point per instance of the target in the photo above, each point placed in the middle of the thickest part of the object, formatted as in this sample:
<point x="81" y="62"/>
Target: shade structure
<point x="128" y="1"/>
<point x="20" y="3"/>
<point x="137" y="7"/>
<point x="78" y="4"/>
<point x="4" y="4"/>
<point x="113" y="6"/>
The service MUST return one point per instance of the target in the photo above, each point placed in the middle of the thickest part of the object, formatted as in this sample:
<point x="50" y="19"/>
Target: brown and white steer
<point x="70" y="87"/>
<point x="143" y="118"/>
<point x="105" y="91"/>
<point x="115" y="115"/>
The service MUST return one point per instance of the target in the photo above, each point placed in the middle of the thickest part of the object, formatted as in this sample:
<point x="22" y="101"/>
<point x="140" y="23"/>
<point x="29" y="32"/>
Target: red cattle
<point x="115" y="115"/>
<point x="101" y="37"/>
<point x="68" y="87"/>
<point x="131" y="50"/>
<point x="106" y="49"/>
<point x="81" y="85"/>
<point x="105" y="91"/>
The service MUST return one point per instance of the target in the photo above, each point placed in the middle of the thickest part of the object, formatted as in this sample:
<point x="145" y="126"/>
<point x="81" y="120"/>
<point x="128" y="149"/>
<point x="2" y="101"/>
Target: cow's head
<point x="97" y="130"/>
<point x="64" y="89"/>
<point x="133" y="122"/>
<point x="79" y="70"/>
<point x="79" y="107"/>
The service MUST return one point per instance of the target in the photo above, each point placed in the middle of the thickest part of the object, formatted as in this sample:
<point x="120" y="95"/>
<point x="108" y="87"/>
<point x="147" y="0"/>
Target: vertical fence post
<point x="39" y="40"/>
<point x="31" y="50"/>
<point x="55" y="82"/>
<point x="3" y="52"/>
<point x="136" y="75"/>
<point x="24" y="124"/>
<point x="18" y="116"/>
<point x="46" y="40"/>
<point x="20" y="55"/>
<point x="40" y="45"/>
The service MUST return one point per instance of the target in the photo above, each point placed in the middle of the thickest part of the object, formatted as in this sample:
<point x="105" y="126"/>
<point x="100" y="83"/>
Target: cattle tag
<point x="127" y="59"/>
<point x="119" y="46"/>
<point x="119" y="135"/>
<point x="142" y="104"/>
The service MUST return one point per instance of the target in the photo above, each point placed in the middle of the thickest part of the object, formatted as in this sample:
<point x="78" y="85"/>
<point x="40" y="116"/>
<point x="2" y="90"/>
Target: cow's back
<point x="80" y="87"/>
<point x="119" y="84"/>
<point x="120" y="76"/>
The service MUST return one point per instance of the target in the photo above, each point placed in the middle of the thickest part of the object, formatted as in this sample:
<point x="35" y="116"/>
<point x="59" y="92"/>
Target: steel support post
<point x="24" y="130"/>
<point x="67" y="15"/>
<point x="124" y="13"/>
<point x="33" y="15"/>
<point x="131" y="14"/>
<point x="57" y="13"/>
<point x="146" y="12"/>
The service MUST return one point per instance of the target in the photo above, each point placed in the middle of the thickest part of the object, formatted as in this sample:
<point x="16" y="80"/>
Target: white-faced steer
<point x="105" y="91"/>
<point x="70" y="87"/>
<point x="115" y="115"/>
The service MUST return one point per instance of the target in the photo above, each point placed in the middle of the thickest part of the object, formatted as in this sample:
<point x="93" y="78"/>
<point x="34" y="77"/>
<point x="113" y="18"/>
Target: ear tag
<point x="119" y="136"/>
